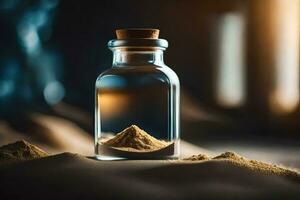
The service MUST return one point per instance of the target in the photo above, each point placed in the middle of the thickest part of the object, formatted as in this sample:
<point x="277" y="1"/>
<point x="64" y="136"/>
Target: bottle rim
<point x="138" y="43"/>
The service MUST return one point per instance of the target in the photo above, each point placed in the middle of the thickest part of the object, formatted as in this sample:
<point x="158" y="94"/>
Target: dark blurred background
<point x="237" y="60"/>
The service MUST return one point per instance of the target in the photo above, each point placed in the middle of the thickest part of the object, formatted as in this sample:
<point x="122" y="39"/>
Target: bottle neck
<point x="123" y="57"/>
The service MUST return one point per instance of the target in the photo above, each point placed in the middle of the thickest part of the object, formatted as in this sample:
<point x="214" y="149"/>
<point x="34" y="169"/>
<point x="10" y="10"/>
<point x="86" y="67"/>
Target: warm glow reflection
<point x="112" y="104"/>
<point x="285" y="96"/>
<point x="230" y="66"/>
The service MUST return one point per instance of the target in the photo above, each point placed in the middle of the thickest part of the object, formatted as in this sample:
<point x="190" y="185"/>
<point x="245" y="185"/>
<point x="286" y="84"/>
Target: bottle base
<point x="112" y="158"/>
<point x="104" y="152"/>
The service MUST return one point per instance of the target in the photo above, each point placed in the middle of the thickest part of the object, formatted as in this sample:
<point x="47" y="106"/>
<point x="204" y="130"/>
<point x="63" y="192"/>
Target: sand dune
<point x="73" y="176"/>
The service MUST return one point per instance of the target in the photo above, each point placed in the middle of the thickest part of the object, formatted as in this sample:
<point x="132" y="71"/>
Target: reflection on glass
<point x="230" y="83"/>
<point x="112" y="104"/>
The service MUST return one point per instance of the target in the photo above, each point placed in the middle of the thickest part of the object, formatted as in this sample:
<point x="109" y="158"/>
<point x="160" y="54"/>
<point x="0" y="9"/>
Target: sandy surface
<point x="69" y="176"/>
<point x="73" y="176"/>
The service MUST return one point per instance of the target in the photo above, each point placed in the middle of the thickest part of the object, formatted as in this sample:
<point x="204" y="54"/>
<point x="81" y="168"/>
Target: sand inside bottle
<point x="134" y="142"/>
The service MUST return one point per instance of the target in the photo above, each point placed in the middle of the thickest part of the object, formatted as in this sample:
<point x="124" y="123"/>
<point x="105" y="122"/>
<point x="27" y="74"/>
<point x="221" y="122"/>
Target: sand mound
<point x="197" y="157"/>
<point x="20" y="150"/>
<point x="135" y="138"/>
<point x="63" y="175"/>
<point x="253" y="165"/>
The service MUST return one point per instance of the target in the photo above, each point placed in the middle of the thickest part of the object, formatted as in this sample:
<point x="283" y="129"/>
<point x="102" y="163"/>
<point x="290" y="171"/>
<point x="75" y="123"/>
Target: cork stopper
<point x="137" y="33"/>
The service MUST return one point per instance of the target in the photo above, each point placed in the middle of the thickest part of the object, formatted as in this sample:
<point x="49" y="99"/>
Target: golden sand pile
<point x="253" y="165"/>
<point x="20" y="150"/>
<point x="197" y="157"/>
<point x="136" y="139"/>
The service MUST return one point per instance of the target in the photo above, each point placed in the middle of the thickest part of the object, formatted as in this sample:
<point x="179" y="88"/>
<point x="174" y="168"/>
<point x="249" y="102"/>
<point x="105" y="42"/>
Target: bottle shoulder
<point x="170" y="74"/>
<point x="164" y="72"/>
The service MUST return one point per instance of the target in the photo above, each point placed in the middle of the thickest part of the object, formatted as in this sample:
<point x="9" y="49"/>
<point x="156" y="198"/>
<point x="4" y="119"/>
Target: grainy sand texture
<point x="67" y="175"/>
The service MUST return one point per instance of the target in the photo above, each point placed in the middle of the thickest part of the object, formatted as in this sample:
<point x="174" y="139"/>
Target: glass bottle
<point x="140" y="92"/>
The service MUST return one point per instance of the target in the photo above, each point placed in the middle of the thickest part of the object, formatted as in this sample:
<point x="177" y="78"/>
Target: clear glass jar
<point x="138" y="90"/>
